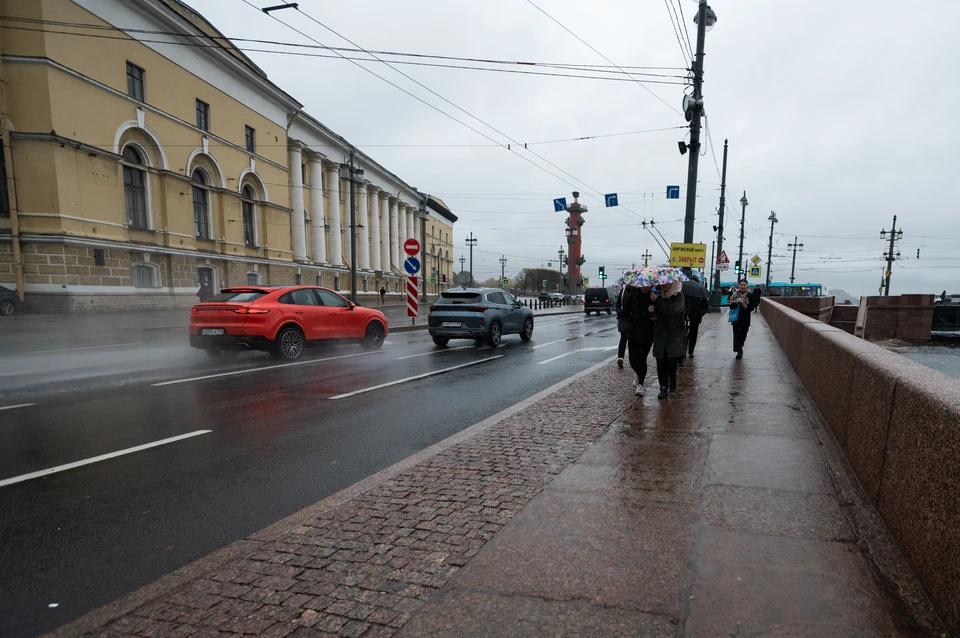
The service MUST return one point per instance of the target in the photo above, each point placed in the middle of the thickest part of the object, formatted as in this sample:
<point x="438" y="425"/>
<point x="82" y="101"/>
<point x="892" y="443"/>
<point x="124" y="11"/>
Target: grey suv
<point x="484" y="314"/>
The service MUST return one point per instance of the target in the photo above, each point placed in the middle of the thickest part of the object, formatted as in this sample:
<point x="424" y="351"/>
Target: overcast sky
<point x="840" y="115"/>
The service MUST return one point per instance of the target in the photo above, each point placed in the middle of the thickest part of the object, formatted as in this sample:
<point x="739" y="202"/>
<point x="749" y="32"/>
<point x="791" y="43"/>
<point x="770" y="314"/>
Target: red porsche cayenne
<point x="282" y="321"/>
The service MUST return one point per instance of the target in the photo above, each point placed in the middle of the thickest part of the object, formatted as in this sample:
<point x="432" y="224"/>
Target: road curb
<point x="252" y="544"/>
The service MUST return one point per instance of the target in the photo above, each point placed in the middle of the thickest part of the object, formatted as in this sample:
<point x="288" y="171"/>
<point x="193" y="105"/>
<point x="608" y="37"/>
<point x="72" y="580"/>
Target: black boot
<point x="664" y="393"/>
<point x="673" y="386"/>
<point x="740" y="353"/>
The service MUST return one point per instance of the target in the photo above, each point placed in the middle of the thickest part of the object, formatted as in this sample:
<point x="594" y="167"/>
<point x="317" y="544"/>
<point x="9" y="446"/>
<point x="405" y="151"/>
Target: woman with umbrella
<point x="666" y="309"/>
<point x="740" y="303"/>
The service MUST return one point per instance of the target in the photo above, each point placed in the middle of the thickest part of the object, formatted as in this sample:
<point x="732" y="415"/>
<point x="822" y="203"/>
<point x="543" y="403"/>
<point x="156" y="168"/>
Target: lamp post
<point x="353" y="176"/>
<point x="423" y="246"/>
<point x="743" y="222"/>
<point x="895" y="235"/>
<point x="693" y="110"/>
<point x="773" y="220"/>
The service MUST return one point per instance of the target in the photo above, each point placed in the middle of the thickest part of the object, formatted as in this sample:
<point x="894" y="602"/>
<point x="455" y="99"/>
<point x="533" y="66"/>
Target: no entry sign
<point x="411" y="247"/>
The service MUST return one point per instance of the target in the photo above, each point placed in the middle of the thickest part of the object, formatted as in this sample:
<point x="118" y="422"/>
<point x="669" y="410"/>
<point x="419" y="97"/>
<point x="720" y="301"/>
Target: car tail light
<point x="251" y="311"/>
<point x="475" y="308"/>
<point x="193" y="310"/>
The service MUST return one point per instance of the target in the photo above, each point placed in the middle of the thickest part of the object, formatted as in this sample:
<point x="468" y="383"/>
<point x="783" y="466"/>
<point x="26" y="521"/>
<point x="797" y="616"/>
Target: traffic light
<point x="602" y="275"/>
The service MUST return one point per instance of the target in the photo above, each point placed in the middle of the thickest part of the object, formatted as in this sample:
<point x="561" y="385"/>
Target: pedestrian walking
<point x="204" y="293"/>
<point x="755" y="297"/>
<point x="640" y="333"/>
<point x="697" y="305"/>
<point x="383" y="295"/>
<point x="740" y="308"/>
<point x="669" y="334"/>
<point x="943" y="297"/>
<point x="623" y="325"/>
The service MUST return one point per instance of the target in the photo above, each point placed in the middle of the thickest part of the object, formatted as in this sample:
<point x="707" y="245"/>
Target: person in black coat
<point x="669" y="334"/>
<point x="635" y="309"/>
<point x="697" y="308"/>
<point x="623" y="324"/>
<point x="740" y="300"/>
<point x="755" y="297"/>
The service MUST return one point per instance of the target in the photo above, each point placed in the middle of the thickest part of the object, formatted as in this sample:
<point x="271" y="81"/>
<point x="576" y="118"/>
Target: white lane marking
<point x="567" y="354"/>
<point x="95" y="459"/>
<point x="248" y="370"/>
<point x="115" y="345"/>
<point x="425" y="354"/>
<point x="19" y="405"/>
<point x="414" y="378"/>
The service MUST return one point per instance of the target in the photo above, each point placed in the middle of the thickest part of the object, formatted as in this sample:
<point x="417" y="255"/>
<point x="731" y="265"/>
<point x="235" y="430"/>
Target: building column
<point x="374" y="213"/>
<point x="394" y="235"/>
<point x="298" y="231"/>
<point x="332" y="210"/>
<point x="363" y="229"/>
<point x="411" y="229"/>
<point x="345" y="223"/>
<point x="317" y="217"/>
<point x="384" y="232"/>
<point x="402" y="236"/>
<point x="416" y="224"/>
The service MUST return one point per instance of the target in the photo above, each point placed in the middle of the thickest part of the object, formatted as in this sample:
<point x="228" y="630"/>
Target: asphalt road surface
<point x="221" y="447"/>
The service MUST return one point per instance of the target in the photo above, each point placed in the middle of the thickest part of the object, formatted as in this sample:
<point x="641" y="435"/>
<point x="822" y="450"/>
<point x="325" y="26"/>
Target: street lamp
<point x="353" y="176"/>
<point x="773" y="220"/>
<point x="743" y="222"/>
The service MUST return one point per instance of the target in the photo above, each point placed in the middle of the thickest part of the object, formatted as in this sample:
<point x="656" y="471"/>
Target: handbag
<point x="734" y="314"/>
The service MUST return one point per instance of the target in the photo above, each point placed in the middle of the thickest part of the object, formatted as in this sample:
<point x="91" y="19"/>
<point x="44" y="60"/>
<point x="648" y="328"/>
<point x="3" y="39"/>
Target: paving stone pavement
<point x="586" y="511"/>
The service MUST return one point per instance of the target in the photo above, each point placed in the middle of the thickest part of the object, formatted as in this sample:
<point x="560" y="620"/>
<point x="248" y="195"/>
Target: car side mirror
<point x="352" y="305"/>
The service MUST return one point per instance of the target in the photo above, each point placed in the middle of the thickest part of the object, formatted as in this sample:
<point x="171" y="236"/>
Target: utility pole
<point x="471" y="241"/>
<point x="895" y="235"/>
<point x="715" y="272"/>
<point x="646" y="258"/>
<point x="793" y="266"/>
<point x="351" y="177"/>
<point x="503" y="265"/>
<point x="743" y="223"/>
<point x="693" y="110"/>
<point x="462" y="259"/>
<point x="423" y="247"/>
<point x="773" y="220"/>
<point x="713" y="247"/>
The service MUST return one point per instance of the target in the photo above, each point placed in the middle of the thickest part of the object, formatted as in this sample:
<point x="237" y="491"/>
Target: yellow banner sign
<point x="688" y="255"/>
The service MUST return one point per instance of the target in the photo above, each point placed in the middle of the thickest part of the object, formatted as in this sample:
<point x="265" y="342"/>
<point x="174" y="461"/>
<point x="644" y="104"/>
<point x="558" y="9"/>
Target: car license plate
<point x="211" y="331"/>
<point x="451" y="324"/>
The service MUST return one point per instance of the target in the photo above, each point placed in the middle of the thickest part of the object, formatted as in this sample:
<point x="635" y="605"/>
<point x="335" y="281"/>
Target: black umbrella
<point x="695" y="289"/>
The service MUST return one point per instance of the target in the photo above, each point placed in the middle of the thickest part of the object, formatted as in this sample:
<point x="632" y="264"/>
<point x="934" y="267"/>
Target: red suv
<point x="282" y="321"/>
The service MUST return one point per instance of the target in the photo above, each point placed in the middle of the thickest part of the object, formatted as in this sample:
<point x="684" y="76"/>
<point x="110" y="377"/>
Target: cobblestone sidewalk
<point x="363" y="566"/>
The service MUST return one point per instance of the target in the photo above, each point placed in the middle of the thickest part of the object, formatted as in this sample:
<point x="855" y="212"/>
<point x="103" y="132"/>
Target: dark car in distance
<point x="598" y="300"/>
<point x="483" y="314"/>
<point x="9" y="301"/>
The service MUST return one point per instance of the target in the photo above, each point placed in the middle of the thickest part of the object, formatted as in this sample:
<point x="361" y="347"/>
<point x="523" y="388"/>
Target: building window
<point x="253" y="279"/>
<point x="203" y="115"/>
<point x="135" y="188"/>
<point x="336" y="282"/>
<point x="136" y="78"/>
<point x="249" y="219"/>
<point x="201" y="218"/>
<point x="144" y="276"/>
<point x="250" y="137"/>
<point x="319" y="280"/>
<point x="4" y="196"/>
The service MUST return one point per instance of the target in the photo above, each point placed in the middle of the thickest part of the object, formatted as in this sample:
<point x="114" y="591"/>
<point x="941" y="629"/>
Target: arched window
<point x="249" y="219"/>
<point x="201" y="207"/>
<point x="253" y="279"/>
<point x="144" y="276"/>
<point x="135" y="188"/>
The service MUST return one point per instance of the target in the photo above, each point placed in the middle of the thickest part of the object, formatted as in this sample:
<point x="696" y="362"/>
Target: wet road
<point x="253" y="441"/>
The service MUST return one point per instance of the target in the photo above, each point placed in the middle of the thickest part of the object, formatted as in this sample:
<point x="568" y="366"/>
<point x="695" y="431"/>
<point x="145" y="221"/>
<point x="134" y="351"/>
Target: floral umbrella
<point x="652" y="276"/>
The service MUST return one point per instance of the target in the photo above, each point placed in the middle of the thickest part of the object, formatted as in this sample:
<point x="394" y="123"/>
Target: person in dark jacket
<point x="669" y="334"/>
<point x="640" y="333"/>
<point x="696" y="308"/>
<point x="623" y="325"/>
<point x="741" y="300"/>
<point x="755" y="298"/>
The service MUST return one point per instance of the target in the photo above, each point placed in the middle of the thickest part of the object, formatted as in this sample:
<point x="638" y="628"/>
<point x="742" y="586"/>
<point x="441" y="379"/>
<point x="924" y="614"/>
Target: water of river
<point x="943" y="357"/>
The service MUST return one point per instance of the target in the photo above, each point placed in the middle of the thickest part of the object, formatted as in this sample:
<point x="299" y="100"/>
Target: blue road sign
<point x="673" y="192"/>
<point x="412" y="265"/>
<point x="560" y="204"/>
<point x="611" y="199"/>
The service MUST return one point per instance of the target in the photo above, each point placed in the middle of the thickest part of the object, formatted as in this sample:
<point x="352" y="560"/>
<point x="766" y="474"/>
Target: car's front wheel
<point x="374" y="337"/>
<point x="495" y="335"/>
<point x="441" y="341"/>
<point x="6" y="307"/>
<point x="527" y="331"/>
<point x="289" y="344"/>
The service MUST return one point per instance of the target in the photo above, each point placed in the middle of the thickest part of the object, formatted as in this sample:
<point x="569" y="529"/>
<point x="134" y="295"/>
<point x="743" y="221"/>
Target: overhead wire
<point x="686" y="32"/>
<point x="672" y="15"/>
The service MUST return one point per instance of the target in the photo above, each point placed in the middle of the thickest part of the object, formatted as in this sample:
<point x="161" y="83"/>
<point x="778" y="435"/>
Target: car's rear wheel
<point x="374" y="337"/>
<point x="441" y="341"/>
<point x="587" y="313"/>
<point x="495" y="334"/>
<point x="6" y="307"/>
<point x="527" y="331"/>
<point x="289" y="344"/>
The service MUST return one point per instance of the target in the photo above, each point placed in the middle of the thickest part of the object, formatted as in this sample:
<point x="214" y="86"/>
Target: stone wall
<point x="899" y="424"/>
<point x="819" y="308"/>
<point x="845" y="317"/>
<point x="903" y="317"/>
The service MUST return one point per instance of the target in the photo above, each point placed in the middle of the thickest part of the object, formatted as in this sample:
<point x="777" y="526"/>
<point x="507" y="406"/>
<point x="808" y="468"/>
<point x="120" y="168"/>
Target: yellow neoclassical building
<point x="139" y="166"/>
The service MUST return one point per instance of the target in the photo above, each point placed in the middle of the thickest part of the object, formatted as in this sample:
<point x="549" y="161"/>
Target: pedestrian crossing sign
<point x="505" y="281"/>
<point x="755" y="272"/>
